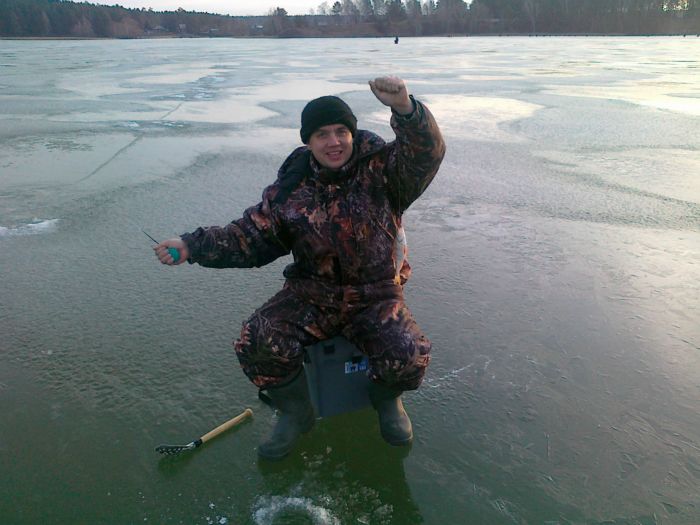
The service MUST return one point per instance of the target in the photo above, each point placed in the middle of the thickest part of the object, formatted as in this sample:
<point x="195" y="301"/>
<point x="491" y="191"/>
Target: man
<point x="336" y="206"/>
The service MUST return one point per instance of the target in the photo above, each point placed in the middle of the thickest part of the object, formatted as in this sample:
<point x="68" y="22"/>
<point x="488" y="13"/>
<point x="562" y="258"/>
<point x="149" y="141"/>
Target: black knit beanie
<point x="324" y="111"/>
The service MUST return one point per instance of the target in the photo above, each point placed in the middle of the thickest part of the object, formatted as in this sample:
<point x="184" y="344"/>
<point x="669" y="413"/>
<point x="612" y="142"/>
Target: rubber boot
<point x="295" y="417"/>
<point x="394" y="422"/>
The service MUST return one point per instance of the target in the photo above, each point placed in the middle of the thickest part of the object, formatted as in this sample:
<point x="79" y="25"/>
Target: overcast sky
<point x="227" y="7"/>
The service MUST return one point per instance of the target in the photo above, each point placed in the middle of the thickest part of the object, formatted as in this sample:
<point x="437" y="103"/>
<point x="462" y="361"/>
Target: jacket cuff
<point x="409" y="116"/>
<point x="193" y="245"/>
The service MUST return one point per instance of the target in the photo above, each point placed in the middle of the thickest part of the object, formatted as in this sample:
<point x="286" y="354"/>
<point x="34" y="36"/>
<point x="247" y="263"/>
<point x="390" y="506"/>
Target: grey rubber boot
<point x="295" y="417"/>
<point x="394" y="422"/>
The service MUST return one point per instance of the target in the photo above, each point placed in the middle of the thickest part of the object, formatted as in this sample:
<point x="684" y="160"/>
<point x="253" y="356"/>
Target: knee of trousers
<point x="402" y="367"/>
<point x="267" y="356"/>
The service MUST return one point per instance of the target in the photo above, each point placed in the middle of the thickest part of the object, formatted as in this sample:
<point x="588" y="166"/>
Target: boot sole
<point x="271" y="457"/>
<point x="403" y="443"/>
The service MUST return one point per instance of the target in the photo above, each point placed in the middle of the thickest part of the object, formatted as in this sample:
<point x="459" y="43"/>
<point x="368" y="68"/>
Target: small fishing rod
<point x="174" y="253"/>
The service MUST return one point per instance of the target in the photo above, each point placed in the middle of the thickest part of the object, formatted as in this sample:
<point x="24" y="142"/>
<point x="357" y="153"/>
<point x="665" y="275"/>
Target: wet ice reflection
<point x="555" y="270"/>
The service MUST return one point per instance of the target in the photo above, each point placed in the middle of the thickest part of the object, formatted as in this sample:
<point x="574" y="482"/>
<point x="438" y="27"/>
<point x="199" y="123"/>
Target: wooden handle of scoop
<point x="225" y="426"/>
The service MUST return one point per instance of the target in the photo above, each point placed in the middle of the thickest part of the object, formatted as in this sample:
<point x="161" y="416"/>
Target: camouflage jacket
<point x="340" y="225"/>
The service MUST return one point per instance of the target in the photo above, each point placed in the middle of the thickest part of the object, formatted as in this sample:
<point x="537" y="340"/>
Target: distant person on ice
<point x="336" y="206"/>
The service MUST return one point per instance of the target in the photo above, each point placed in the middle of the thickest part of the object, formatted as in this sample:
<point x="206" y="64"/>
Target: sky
<point x="225" y="7"/>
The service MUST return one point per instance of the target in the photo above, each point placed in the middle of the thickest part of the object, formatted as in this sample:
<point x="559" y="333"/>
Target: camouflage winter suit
<point x="340" y="227"/>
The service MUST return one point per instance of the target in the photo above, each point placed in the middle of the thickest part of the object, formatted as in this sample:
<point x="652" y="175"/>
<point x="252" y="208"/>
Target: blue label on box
<point x="351" y="367"/>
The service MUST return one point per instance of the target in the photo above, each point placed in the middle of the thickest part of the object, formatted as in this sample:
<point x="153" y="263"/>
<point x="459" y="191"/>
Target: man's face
<point x="331" y="145"/>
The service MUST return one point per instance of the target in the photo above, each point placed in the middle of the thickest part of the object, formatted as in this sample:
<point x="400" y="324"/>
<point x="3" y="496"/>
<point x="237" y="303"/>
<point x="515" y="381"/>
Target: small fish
<point x="400" y="252"/>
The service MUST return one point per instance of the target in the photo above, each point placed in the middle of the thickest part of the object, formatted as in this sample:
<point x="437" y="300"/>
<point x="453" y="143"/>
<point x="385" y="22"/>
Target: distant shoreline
<point x="72" y="20"/>
<point x="388" y="37"/>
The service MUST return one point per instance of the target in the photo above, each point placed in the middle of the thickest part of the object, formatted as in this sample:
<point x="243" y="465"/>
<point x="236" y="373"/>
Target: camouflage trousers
<point x="373" y="317"/>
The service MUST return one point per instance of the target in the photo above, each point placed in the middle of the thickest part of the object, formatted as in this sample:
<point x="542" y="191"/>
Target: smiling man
<point x="336" y="206"/>
<point x="331" y="145"/>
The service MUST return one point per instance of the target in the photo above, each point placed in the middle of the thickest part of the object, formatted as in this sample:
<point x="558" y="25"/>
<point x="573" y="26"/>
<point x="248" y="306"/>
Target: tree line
<point x="366" y="18"/>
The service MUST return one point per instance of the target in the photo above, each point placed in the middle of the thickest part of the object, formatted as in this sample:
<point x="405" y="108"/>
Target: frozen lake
<point x="556" y="268"/>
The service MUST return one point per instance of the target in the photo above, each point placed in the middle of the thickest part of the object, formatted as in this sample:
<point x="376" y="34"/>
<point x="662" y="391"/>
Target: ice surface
<point x="479" y="118"/>
<point x="682" y="96"/>
<point x="555" y="258"/>
<point x="32" y="228"/>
